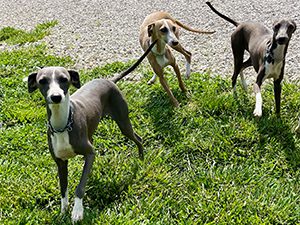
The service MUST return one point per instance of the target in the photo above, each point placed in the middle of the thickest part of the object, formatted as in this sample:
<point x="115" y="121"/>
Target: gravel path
<point x="95" y="32"/>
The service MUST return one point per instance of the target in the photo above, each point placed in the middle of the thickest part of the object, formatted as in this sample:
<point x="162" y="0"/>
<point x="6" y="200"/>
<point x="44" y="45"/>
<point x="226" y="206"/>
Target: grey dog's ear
<point x="31" y="82"/>
<point x="150" y="29"/>
<point x="294" y="24"/>
<point x="74" y="78"/>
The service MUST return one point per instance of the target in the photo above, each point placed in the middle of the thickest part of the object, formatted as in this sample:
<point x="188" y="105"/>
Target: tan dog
<point x="162" y="27"/>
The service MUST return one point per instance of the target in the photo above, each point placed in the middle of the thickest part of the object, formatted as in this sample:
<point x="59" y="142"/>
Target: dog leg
<point x="257" y="90"/>
<point x="188" y="57"/>
<point x="169" y="92"/>
<point x="159" y="71"/>
<point x="238" y="55"/>
<point x="77" y="213"/>
<point x="258" y="101"/>
<point x="152" y="80"/>
<point x="178" y="75"/>
<point x="245" y="65"/>
<point x="126" y="129"/>
<point x="62" y="167"/>
<point x="119" y="112"/>
<point x="277" y="94"/>
<point x="244" y="83"/>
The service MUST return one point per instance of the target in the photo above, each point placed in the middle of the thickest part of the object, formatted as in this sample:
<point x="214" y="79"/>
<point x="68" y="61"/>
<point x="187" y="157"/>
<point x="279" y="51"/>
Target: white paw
<point x="77" y="213"/>
<point x="257" y="112"/>
<point x="64" y="205"/>
<point x="152" y="80"/>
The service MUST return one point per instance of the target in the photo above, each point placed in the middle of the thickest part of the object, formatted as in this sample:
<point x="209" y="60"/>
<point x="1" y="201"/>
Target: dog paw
<point x="150" y="82"/>
<point x="77" y="213"/>
<point x="257" y="112"/>
<point x="64" y="205"/>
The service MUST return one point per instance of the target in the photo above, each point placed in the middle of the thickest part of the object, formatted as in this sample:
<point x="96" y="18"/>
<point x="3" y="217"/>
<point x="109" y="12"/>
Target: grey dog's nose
<point x="56" y="98"/>
<point x="282" y="40"/>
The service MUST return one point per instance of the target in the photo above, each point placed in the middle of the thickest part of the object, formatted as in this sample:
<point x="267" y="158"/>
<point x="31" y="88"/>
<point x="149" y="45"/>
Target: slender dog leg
<point x="152" y="80"/>
<point x="119" y="113"/>
<point x="245" y="65"/>
<point x="77" y="213"/>
<point x="238" y="55"/>
<point x="188" y="57"/>
<point x="277" y="94"/>
<point x="126" y="129"/>
<point x="178" y="75"/>
<point x="258" y="103"/>
<point x="159" y="71"/>
<point x="169" y="92"/>
<point x="244" y="83"/>
<point x="62" y="167"/>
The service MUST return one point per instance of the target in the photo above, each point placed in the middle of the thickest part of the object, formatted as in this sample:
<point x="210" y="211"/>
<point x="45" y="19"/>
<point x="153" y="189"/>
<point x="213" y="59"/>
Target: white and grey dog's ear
<point x="75" y="81"/>
<point x="31" y="82"/>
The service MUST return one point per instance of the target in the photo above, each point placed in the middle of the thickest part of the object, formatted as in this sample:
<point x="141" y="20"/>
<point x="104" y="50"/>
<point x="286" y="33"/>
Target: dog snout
<point x="56" y="98"/>
<point x="282" y="40"/>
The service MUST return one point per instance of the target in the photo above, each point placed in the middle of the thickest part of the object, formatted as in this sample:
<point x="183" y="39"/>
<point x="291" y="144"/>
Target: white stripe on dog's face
<point x="170" y="35"/>
<point x="54" y="90"/>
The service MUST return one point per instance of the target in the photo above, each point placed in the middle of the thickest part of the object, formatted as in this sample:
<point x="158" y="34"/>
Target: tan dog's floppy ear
<point x="150" y="29"/>
<point x="74" y="78"/>
<point x="31" y="82"/>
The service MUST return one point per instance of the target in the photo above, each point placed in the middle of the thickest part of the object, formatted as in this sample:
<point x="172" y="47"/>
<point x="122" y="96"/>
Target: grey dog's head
<point x="283" y="31"/>
<point x="53" y="83"/>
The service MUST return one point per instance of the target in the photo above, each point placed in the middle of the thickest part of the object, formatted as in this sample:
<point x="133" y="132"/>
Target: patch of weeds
<point x="14" y="36"/>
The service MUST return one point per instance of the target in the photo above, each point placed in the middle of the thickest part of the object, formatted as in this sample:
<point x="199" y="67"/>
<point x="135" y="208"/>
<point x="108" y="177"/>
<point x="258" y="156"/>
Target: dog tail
<point x="118" y="77"/>
<point x="221" y="15"/>
<point x="192" y="29"/>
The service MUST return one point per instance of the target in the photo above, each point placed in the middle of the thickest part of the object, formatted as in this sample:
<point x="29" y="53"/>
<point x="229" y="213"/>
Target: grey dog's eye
<point x="277" y="26"/>
<point x="291" y="27"/>
<point x="63" y="80"/>
<point x="43" y="81"/>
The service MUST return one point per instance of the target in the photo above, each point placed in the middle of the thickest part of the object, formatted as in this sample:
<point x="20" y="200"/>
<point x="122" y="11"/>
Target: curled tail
<point x="221" y="15"/>
<point x="118" y="77"/>
<point x="192" y="29"/>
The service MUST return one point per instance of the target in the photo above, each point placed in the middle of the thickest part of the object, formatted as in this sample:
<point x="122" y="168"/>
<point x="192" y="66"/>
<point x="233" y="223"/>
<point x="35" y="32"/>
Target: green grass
<point x="208" y="162"/>
<point x="13" y="36"/>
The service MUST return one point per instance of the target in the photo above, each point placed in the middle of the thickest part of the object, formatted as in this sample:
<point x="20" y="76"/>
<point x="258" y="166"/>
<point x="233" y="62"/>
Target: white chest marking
<point x="273" y="70"/>
<point x="162" y="60"/>
<point x="61" y="146"/>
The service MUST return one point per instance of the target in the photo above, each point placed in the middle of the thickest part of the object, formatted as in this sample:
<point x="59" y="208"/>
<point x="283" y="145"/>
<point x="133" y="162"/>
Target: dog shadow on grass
<point x="166" y="124"/>
<point x="278" y="131"/>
